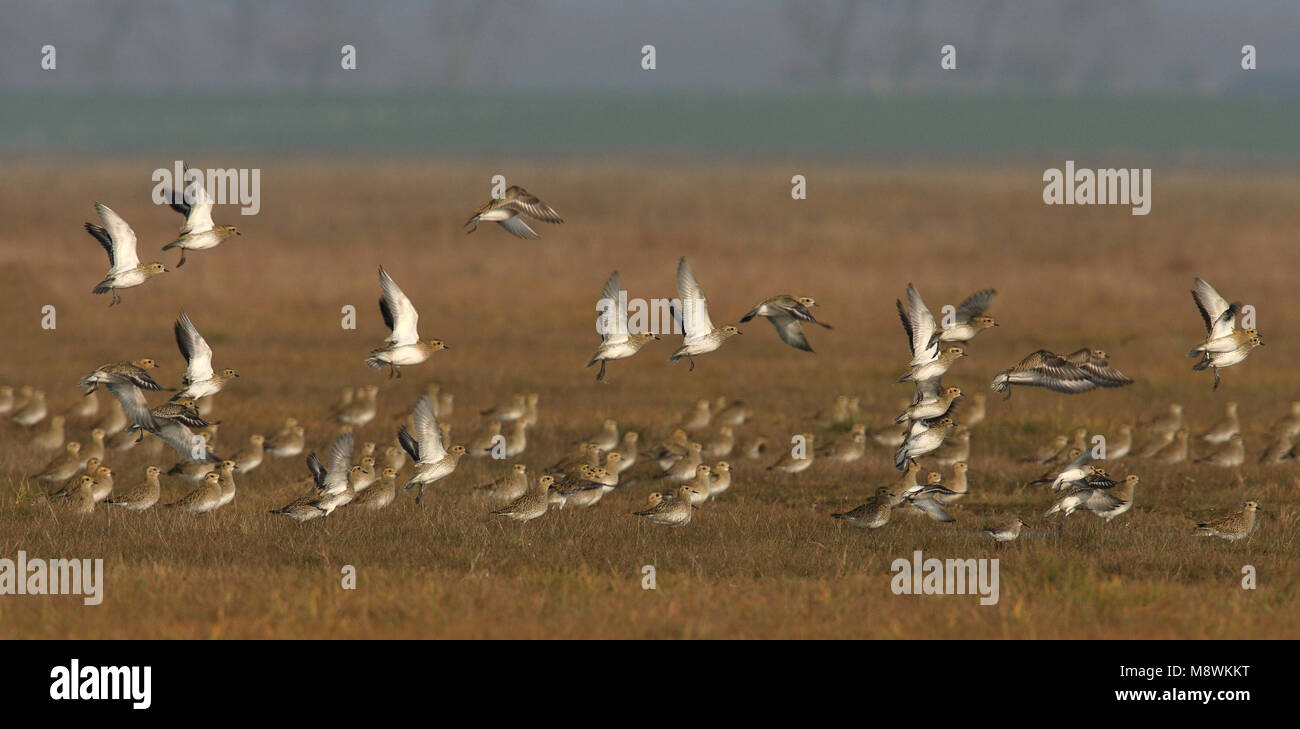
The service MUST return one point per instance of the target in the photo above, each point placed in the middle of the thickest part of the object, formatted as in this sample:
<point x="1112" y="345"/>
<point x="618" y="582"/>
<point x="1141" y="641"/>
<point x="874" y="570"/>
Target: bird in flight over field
<point x="505" y="211"/>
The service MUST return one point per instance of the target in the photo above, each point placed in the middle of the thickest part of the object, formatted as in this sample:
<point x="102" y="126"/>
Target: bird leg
<point x="1216" y="379"/>
<point x="182" y="261"/>
<point x="419" y="495"/>
<point x="692" y="359"/>
<point x="600" y="376"/>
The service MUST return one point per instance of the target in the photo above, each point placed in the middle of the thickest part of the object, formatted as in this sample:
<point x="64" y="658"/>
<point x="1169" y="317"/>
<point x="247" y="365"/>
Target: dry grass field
<point x="764" y="561"/>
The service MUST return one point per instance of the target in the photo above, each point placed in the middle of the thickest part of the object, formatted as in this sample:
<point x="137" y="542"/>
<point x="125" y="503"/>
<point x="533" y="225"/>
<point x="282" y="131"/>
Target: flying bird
<point x="200" y="379"/>
<point x="119" y="242"/>
<point x="970" y="318"/>
<point x="1054" y="372"/>
<point x="505" y="211"/>
<point x="616" y="341"/>
<point x="1225" y="345"/>
<point x="198" y="233"/>
<point x="403" y="346"/>
<point x="786" y="313"/>
<point x="701" y="336"/>
<point x="171" y="421"/>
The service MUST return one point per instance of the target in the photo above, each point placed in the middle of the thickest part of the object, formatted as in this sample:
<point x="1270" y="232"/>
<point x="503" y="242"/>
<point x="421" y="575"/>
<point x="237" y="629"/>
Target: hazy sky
<point x="1163" y="46"/>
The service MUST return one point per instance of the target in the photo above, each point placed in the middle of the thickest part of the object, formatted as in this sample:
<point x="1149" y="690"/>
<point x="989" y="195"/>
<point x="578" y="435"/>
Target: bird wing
<point x="195" y="349"/>
<point x="933" y="509"/>
<point x="1081" y="460"/>
<point x="523" y="201"/>
<point x="121" y="253"/>
<point x="518" y="228"/>
<point x="1101" y="373"/>
<point x="918" y="322"/>
<point x="399" y="313"/>
<point x="316" y="469"/>
<point x="927" y="390"/>
<point x="198" y="217"/>
<point x="1219" y="316"/>
<point x="801" y="312"/>
<point x="790" y="331"/>
<point x="133" y="403"/>
<point x="615" y="327"/>
<point x="427" y="432"/>
<point x="695" y="313"/>
<point x="181" y="439"/>
<point x="975" y="304"/>
<point x="340" y="462"/>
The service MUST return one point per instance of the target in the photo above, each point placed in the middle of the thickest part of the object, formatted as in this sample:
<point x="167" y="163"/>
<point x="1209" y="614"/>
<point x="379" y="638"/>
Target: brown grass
<point x="765" y="561"/>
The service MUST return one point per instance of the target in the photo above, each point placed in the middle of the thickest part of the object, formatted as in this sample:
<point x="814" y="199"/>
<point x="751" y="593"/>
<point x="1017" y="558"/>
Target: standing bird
<point x="1234" y="526"/>
<point x="141" y="496"/>
<point x="1224" y="429"/>
<point x="118" y="241"/>
<point x="701" y="337"/>
<point x="403" y="345"/>
<point x="1225" y="345"/>
<point x="616" y="341"/>
<point x="32" y="412"/>
<point x="197" y="233"/>
<point x="381" y="494"/>
<point x="532" y="504"/>
<point x="1006" y="531"/>
<point x="666" y="511"/>
<point x="505" y="211"/>
<point x="871" y="515"/>
<point x="200" y="380"/>
<point x="432" y="459"/>
<point x="1230" y="455"/>
<point x="969" y="318"/>
<point x="206" y="497"/>
<point x="786" y="313"/>
<point x="509" y="487"/>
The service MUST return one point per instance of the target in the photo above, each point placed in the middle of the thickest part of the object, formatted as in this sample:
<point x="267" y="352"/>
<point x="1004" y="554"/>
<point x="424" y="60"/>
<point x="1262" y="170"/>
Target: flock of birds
<point x="934" y="425"/>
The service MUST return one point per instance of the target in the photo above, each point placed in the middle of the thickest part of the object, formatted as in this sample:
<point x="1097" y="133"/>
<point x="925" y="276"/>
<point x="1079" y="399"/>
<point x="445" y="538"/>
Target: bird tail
<point x="102" y="288"/>
<point x="752" y="313"/>
<point x="839" y="516"/>
<point x="1001" y="382"/>
<point x="172" y="245"/>
<point x="1055" y="508"/>
<point x="373" y="361"/>
<point x="1202" y="364"/>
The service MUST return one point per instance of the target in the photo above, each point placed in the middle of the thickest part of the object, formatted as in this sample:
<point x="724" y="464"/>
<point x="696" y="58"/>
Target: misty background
<point x="830" y="77"/>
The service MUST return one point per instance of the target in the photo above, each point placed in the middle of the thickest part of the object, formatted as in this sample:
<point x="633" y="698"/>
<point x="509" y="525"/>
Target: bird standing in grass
<point x="1232" y="527"/>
